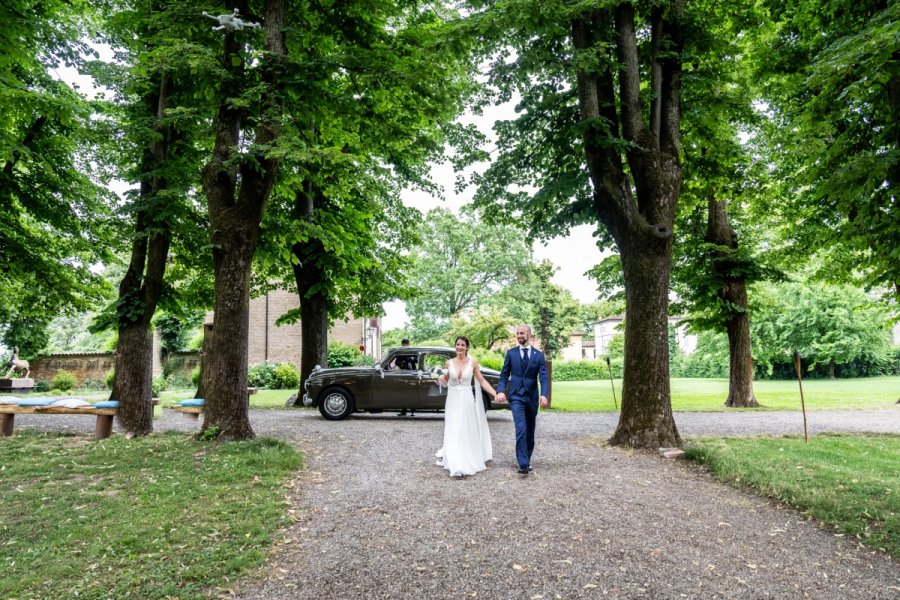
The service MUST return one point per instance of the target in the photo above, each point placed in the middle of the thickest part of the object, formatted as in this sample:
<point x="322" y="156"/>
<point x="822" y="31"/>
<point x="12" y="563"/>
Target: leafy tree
<point x="599" y="139"/>
<point x="54" y="217"/>
<point x="461" y="263"/>
<point x="485" y="326"/>
<point x="156" y="148"/>
<point x="831" y="88"/>
<point x="829" y="325"/>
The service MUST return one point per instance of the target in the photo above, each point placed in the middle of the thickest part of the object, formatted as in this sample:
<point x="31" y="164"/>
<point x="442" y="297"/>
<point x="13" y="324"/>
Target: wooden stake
<point x="613" y="385"/>
<point x="802" y="401"/>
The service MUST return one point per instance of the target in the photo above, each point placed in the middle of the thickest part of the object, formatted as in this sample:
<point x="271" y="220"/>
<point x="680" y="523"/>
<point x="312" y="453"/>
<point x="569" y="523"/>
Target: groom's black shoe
<point x="524" y="470"/>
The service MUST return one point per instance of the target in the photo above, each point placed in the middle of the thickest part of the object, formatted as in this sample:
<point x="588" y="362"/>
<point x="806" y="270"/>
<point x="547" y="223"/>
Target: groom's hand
<point x="501" y="397"/>
<point x="544" y="402"/>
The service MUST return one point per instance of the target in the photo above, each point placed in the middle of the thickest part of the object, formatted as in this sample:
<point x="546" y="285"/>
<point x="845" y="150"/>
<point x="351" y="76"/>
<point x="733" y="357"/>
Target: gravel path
<point x="376" y="518"/>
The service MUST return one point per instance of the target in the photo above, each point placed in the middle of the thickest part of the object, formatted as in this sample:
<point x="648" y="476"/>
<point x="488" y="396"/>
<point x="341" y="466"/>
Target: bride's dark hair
<point x="465" y="339"/>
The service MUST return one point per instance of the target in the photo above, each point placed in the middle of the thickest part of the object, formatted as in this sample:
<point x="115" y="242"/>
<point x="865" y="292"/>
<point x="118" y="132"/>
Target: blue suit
<point x="522" y="382"/>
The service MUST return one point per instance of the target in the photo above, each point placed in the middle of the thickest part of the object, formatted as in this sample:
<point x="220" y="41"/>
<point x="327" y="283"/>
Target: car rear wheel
<point x="335" y="404"/>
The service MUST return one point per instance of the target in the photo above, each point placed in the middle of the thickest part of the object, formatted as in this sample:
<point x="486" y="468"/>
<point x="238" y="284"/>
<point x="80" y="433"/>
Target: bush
<point x="285" y="376"/>
<point x="41" y="385"/>
<point x="63" y="381"/>
<point x="92" y="385"/>
<point x="586" y="370"/>
<point x="261" y="375"/>
<point x="342" y="355"/>
<point x="195" y="377"/>
<point x="158" y="386"/>
<point x="110" y="378"/>
<point x="178" y="382"/>
<point x="489" y="359"/>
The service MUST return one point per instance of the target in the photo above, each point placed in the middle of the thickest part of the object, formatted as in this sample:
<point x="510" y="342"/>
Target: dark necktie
<point x="524" y="359"/>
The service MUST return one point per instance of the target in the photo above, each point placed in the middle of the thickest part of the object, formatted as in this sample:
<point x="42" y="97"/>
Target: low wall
<point x="95" y="366"/>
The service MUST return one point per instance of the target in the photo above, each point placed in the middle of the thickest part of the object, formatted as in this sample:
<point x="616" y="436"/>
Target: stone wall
<point x="86" y="366"/>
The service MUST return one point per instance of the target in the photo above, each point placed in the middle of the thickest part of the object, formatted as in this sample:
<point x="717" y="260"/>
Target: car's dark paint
<point x="339" y="392"/>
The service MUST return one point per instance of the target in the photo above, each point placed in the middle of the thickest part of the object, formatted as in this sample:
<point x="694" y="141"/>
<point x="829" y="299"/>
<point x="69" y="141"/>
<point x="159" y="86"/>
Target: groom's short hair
<point x="526" y="326"/>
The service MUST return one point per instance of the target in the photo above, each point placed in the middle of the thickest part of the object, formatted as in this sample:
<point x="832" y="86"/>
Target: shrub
<point x="195" y="377"/>
<point x="364" y="360"/>
<point x="178" y="382"/>
<point x="92" y="385"/>
<point x="63" y="381"/>
<point x="110" y="378"/>
<point x="261" y="375"/>
<point x="489" y="359"/>
<point x="41" y="385"/>
<point x="342" y="355"/>
<point x="586" y="370"/>
<point x="157" y="386"/>
<point x="286" y="376"/>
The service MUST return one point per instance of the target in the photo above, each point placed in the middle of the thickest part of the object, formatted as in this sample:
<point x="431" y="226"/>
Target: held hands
<point x="501" y="398"/>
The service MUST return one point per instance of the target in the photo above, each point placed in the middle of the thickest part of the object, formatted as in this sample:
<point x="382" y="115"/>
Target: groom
<point x="523" y="367"/>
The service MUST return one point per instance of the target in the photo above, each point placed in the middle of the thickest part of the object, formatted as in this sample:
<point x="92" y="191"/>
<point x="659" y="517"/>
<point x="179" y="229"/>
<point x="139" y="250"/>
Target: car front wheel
<point x="335" y="404"/>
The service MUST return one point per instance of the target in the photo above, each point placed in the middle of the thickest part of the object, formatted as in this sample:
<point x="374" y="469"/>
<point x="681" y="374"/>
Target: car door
<point x="397" y="388"/>
<point x="432" y="394"/>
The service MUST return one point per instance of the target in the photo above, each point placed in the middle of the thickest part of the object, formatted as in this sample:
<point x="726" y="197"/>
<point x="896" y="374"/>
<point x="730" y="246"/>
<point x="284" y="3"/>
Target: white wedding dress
<point x="467" y="440"/>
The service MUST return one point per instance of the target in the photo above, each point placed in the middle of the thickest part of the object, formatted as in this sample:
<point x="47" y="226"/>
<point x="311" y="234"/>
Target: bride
<point x="467" y="441"/>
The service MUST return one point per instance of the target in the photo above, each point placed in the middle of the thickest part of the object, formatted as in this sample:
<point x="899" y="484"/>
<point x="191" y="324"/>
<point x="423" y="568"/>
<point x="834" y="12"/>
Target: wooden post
<point x="802" y="401"/>
<point x="611" y="383"/>
<point x="6" y="425"/>
<point x="103" y="428"/>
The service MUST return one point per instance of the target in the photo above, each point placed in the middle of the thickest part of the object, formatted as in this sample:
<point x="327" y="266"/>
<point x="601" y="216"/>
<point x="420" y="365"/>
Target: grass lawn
<point x="709" y="394"/>
<point x="849" y="482"/>
<point x="156" y="517"/>
<point x="261" y="399"/>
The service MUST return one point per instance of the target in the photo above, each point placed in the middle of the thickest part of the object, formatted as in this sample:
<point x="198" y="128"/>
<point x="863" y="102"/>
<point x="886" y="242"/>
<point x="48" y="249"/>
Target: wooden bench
<point x="102" y="430"/>
<point x="194" y="412"/>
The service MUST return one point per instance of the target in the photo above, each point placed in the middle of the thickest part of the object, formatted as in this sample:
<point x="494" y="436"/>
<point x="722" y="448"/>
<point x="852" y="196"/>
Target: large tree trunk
<point x="237" y="201"/>
<point x="142" y="285"/>
<point x="646" y="419"/>
<point x="637" y="207"/>
<point x="734" y="297"/>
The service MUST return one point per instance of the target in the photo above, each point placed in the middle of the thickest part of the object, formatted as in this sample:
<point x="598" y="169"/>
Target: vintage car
<point x="405" y="379"/>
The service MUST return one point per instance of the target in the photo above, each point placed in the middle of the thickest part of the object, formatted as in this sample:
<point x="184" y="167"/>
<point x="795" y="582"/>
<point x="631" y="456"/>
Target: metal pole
<point x="612" y="385"/>
<point x="802" y="401"/>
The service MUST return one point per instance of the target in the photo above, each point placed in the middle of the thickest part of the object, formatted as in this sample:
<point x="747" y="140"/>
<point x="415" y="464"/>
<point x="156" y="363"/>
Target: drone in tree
<point x="231" y="22"/>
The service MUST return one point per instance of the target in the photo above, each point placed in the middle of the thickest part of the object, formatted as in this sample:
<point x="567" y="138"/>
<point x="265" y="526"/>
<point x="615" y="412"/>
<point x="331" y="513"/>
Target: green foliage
<point x="586" y="370"/>
<point x="461" y="263"/>
<point x="342" y="355"/>
<point x="830" y="326"/>
<point x="195" y="377"/>
<point x="489" y="359"/>
<point x="260" y="375"/>
<point x="64" y="381"/>
<point x="845" y="481"/>
<point x="110" y="378"/>
<point x="710" y="359"/>
<point x="158" y="386"/>
<point x="41" y="385"/>
<point x="285" y="376"/>
<point x="832" y="139"/>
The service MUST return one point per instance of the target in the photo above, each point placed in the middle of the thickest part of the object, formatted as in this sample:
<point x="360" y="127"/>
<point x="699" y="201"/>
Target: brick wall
<point x="267" y="342"/>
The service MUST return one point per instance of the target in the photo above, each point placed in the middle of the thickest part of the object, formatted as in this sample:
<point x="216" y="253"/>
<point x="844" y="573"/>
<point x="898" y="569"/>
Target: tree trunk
<point x="646" y="419"/>
<point x="142" y="285"/>
<point x="224" y="376"/>
<point x="313" y="303"/>
<point x="637" y="207"/>
<point x="237" y="198"/>
<point x="734" y="297"/>
<point x="313" y="318"/>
